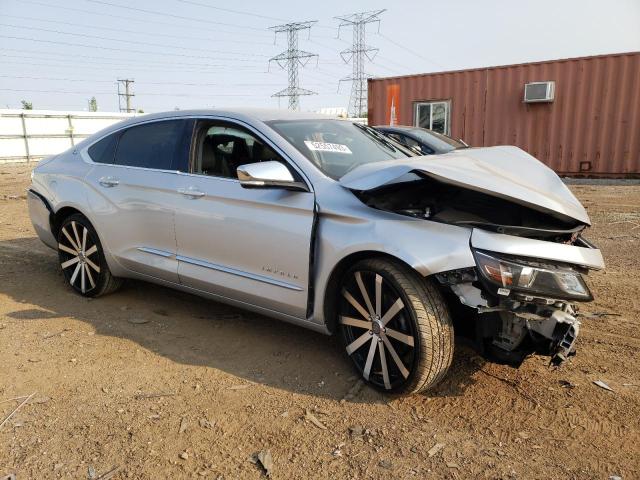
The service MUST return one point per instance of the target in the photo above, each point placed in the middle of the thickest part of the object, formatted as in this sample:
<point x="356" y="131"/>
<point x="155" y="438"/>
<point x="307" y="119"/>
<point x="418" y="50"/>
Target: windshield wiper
<point x="378" y="137"/>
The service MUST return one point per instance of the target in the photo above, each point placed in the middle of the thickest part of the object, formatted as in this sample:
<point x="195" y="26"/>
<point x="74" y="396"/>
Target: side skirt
<point x="229" y="301"/>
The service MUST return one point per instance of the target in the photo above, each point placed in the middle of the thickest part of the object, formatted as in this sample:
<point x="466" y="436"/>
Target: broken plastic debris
<point x="338" y="452"/>
<point x="184" y="423"/>
<point x="435" y="449"/>
<point x="265" y="459"/>
<point x="601" y="384"/>
<point x="205" y="423"/>
<point x="567" y="384"/>
<point x="313" y="419"/>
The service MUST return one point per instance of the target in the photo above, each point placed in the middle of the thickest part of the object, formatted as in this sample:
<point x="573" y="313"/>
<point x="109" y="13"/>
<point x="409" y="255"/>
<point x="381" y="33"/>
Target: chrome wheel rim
<point x="378" y="329"/>
<point x="78" y="256"/>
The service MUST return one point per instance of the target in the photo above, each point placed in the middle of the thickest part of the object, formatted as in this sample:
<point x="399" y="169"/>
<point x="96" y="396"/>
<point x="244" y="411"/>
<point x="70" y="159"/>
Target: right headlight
<point x="533" y="278"/>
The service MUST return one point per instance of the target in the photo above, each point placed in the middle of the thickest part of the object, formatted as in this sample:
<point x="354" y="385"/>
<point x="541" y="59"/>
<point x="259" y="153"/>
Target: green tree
<point x="26" y="105"/>
<point x="140" y="110"/>
<point x="93" y="105"/>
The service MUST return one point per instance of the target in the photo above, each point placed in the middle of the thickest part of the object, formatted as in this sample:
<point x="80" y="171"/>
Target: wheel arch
<point x="65" y="211"/>
<point x="333" y="284"/>
<point x="58" y="217"/>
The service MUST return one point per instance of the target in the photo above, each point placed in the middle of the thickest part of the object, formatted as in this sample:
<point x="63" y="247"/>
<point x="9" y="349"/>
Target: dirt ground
<point x="200" y="387"/>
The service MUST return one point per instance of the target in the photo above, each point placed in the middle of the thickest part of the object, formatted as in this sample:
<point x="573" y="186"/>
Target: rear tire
<point x="395" y="325"/>
<point x="82" y="258"/>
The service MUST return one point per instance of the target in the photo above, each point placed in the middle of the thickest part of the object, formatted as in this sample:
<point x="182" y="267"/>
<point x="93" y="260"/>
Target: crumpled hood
<point x="505" y="172"/>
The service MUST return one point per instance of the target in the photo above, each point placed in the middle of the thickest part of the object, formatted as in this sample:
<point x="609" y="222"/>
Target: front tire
<point x="82" y="258"/>
<point x="395" y="325"/>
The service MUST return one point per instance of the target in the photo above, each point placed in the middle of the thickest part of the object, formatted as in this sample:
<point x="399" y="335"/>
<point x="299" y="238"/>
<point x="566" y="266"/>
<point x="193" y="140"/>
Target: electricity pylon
<point x="357" y="54"/>
<point x="291" y="59"/>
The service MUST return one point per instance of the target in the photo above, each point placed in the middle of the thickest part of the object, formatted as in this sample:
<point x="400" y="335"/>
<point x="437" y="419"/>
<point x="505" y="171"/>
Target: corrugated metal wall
<point x="592" y="127"/>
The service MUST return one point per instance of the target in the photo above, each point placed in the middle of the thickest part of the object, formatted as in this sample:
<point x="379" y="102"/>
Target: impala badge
<point x="281" y="273"/>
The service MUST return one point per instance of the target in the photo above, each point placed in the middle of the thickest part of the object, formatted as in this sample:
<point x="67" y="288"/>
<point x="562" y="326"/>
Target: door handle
<point x="108" y="181"/>
<point x="191" y="192"/>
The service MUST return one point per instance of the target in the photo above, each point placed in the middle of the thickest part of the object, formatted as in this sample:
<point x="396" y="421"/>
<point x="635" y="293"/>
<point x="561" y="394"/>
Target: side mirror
<point x="270" y="174"/>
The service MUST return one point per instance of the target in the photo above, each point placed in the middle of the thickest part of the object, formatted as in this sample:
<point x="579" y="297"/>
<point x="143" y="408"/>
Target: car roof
<point x="263" y="115"/>
<point x="395" y="127"/>
<point x="249" y="115"/>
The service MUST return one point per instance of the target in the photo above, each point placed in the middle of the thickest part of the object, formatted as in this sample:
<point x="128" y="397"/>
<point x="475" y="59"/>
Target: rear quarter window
<point x="104" y="151"/>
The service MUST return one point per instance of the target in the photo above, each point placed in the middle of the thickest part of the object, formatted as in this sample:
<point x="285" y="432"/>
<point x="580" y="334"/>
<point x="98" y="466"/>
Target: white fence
<point x="28" y="135"/>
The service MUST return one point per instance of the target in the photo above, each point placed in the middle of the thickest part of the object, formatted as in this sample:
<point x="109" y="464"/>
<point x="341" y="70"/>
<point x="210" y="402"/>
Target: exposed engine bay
<point x="507" y="330"/>
<point x="421" y="196"/>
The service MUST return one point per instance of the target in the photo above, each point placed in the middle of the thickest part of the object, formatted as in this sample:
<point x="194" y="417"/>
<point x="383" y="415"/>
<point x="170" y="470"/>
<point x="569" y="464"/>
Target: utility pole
<point x="128" y="93"/>
<point x="356" y="55"/>
<point x="291" y="59"/>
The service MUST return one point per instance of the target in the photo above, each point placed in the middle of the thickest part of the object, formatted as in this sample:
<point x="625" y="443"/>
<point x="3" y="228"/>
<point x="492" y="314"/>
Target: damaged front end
<point x="526" y="231"/>
<point x="521" y="306"/>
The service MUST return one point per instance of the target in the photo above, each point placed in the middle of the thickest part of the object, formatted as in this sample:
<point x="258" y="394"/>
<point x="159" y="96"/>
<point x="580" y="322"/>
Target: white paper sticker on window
<point x="327" y="147"/>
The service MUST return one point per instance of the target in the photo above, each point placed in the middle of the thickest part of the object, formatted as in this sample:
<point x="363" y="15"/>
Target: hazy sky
<point x="57" y="54"/>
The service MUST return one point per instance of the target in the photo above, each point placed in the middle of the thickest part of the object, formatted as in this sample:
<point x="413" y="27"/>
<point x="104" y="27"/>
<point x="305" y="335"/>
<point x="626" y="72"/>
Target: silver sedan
<point x="330" y="225"/>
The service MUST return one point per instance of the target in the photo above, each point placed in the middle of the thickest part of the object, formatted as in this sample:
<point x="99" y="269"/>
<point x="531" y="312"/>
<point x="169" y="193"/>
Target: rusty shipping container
<point x="591" y="128"/>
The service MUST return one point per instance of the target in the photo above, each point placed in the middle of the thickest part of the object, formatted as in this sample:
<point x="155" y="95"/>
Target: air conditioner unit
<point x="535" y="92"/>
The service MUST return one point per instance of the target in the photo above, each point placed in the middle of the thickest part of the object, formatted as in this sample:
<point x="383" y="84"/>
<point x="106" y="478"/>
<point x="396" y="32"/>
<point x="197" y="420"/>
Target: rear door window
<point x="162" y="145"/>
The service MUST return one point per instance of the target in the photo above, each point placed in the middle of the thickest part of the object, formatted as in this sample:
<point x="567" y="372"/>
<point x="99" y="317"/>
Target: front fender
<point x="427" y="247"/>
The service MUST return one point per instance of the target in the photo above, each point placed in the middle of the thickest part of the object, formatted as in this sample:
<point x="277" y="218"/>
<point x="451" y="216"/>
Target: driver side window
<point x="220" y="148"/>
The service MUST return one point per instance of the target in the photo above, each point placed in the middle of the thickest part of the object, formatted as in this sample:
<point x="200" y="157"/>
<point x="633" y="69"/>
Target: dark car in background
<point x="425" y="142"/>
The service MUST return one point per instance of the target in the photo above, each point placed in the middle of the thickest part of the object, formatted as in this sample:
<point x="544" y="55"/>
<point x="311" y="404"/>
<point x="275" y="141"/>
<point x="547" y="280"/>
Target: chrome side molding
<point x="221" y="268"/>
<point x="155" y="251"/>
<point x="240" y="273"/>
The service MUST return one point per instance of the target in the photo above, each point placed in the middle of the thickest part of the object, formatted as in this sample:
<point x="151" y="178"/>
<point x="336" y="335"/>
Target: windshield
<point x="338" y="146"/>
<point x="439" y="142"/>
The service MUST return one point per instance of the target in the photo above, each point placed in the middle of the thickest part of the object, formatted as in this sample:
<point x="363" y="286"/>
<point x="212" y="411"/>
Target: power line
<point x="162" y="45"/>
<point x="135" y="63"/>
<point x="181" y="84"/>
<point x="314" y="74"/>
<point x="137" y="32"/>
<point x="407" y="49"/>
<point x="406" y="69"/>
<point x="154" y="12"/>
<point x="145" y="21"/>
<point x="151" y="94"/>
<point x="356" y="55"/>
<point x="128" y="68"/>
<point x="232" y="11"/>
<point x="100" y="47"/>
<point x="115" y="71"/>
<point x="55" y="79"/>
<point x="291" y="59"/>
<point x="387" y="60"/>
<point x="149" y="21"/>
